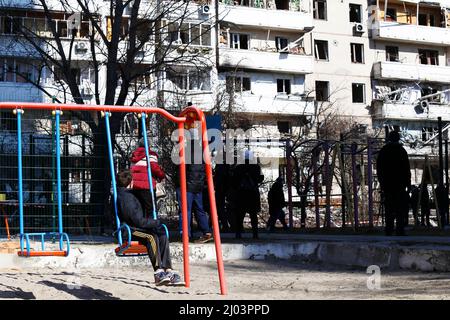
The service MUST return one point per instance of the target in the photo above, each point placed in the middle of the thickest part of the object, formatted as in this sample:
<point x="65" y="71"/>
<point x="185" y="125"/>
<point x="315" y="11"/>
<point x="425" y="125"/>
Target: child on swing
<point x="147" y="231"/>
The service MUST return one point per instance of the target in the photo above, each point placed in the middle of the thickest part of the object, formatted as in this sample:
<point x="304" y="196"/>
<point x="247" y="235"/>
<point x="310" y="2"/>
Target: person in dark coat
<point x="195" y="181"/>
<point x="221" y="186"/>
<point x="415" y="192"/>
<point x="246" y="196"/>
<point x="147" y="231"/>
<point x="276" y="204"/>
<point x="394" y="174"/>
<point x="425" y="206"/>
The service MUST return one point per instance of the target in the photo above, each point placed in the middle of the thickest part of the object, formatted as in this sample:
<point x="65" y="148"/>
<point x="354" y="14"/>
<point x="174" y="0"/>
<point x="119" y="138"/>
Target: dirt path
<point x="246" y="280"/>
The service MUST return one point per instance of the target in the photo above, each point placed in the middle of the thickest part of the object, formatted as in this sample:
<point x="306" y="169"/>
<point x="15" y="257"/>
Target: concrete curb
<point x="388" y="255"/>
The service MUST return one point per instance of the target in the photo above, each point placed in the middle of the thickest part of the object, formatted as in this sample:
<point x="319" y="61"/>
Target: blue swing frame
<point x="127" y="246"/>
<point x="24" y="236"/>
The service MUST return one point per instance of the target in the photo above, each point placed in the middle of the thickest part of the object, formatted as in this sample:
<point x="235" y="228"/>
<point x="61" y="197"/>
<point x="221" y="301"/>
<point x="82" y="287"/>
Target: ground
<point x="249" y="279"/>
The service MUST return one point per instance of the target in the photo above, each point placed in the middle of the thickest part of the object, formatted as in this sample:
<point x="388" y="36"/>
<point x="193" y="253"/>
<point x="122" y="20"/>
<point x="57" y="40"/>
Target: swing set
<point x="126" y="248"/>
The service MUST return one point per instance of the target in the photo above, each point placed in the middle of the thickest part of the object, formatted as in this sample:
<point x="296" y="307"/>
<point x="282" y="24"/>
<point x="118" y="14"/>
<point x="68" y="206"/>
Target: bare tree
<point x="123" y="47"/>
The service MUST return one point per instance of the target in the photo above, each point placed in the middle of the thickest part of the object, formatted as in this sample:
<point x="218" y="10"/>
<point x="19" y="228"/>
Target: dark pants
<point x="145" y="199"/>
<point x="396" y="207"/>
<point x="157" y="246"/>
<point x="194" y="202"/>
<point x="239" y="217"/>
<point x="276" y="214"/>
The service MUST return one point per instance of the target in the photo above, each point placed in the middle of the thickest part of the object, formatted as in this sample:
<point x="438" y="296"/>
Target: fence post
<point x="355" y="185"/>
<point x="370" y="181"/>
<point x="316" y="153"/>
<point x="289" y="182"/>
<point x="326" y="147"/>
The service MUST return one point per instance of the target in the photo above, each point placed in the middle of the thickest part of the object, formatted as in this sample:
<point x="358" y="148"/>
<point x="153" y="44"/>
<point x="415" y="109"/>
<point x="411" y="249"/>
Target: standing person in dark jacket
<point x="139" y="184"/>
<point x="195" y="181"/>
<point x="147" y="231"/>
<point x="395" y="179"/>
<point x="276" y="204"/>
<point x="246" y="197"/>
<point x="425" y="206"/>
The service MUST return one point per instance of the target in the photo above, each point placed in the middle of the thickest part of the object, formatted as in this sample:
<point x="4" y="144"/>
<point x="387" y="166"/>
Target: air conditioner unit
<point x="205" y="9"/>
<point x="81" y="46"/>
<point x="359" y="27"/>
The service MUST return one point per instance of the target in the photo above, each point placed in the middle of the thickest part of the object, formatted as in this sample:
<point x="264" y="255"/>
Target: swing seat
<point x="27" y="252"/>
<point x="56" y="253"/>
<point x="135" y="248"/>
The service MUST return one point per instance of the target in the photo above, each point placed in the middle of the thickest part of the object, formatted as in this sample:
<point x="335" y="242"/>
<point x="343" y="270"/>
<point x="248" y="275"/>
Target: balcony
<point x="399" y="111"/>
<point x="411" y="72"/>
<point x="266" y="18"/>
<point x="20" y="92"/>
<point x="279" y="105"/>
<point x="266" y="61"/>
<point x="411" y="33"/>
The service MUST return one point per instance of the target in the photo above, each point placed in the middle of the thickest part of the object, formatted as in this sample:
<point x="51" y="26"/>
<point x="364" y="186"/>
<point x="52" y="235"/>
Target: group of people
<point x="237" y="193"/>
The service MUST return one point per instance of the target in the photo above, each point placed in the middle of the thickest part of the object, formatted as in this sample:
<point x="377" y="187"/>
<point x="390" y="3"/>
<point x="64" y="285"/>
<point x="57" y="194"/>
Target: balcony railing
<point x="266" y="61"/>
<point x="411" y="72"/>
<point x="280" y="104"/>
<point x="411" y="33"/>
<point x="411" y="112"/>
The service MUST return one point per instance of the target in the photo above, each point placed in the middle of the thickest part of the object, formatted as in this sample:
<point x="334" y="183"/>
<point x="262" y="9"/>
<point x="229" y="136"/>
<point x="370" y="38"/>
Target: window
<point x="355" y="13"/>
<point x="189" y="33"/>
<point x="282" y="4"/>
<point x="391" y="14"/>
<point x="358" y="92"/>
<point x="429" y="57"/>
<point x="239" y="41"/>
<point x="423" y="21"/>
<point x="284" y="86"/>
<point x="281" y="43"/>
<point x="322" y="90"/>
<point x="190" y="79"/>
<point x="320" y="9"/>
<point x="392" y="54"/>
<point x="321" y="49"/>
<point x="357" y="52"/>
<point x="428" y="133"/>
<point x="284" y="126"/>
<point x="432" y="21"/>
<point x="426" y="91"/>
<point x="238" y="84"/>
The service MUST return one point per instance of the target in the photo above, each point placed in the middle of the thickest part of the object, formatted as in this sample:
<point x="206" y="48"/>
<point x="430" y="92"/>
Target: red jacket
<point x="139" y="169"/>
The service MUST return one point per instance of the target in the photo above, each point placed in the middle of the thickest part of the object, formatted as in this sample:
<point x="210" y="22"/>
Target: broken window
<point x="190" y="79"/>
<point x="322" y="90"/>
<point x="239" y="41"/>
<point x="281" y="44"/>
<point x="428" y="133"/>
<point x="423" y="21"/>
<point x="430" y="57"/>
<point x="426" y="91"/>
<point x="320" y="9"/>
<point x="284" y="86"/>
<point x="238" y="84"/>
<point x="284" y="127"/>
<point x="392" y="54"/>
<point x="355" y="13"/>
<point x="282" y="4"/>
<point x="391" y="14"/>
<point x="321" y="49"/>
<point x="357" y="52"/>
<point x="358" y="93"/>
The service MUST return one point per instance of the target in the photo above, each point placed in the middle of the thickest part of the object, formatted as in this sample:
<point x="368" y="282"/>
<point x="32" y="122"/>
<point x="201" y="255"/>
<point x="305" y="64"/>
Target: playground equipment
<point x="25" y="237"/>
<point x="129" y="248"/>
<point x="187" y="117"/>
